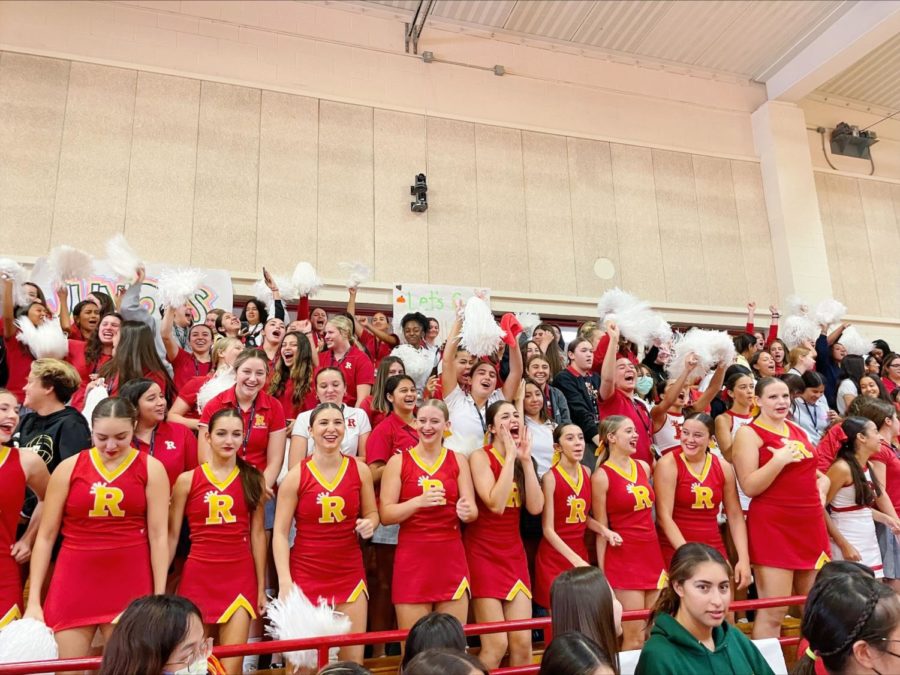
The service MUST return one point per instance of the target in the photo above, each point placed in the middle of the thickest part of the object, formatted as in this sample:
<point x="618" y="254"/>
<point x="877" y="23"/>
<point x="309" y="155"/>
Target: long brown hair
<point x="135" y="356"/>
<point x="379" y="400"/>
<point x="147" y="634"/>
<point x="518" y="472"/>
<point x="94" y="348"/>
<point x="581" y="600"/>
<point x="252" y="481"/>
<point x="684" y="563"/>
<point x="300" y="373"/>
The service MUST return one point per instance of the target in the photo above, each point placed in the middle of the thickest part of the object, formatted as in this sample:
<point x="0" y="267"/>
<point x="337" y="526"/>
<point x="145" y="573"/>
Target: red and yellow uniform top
<point x="356" y="367"/>
<point x="494" y="550"/>
<point x="695" y="510"/>
<point x="219" y="575"/>
<point x="104" y="562"/>
<point x="106" y="509"/>
<point x="265" y="416"/>
<point x="326" y="560"/>
<point x="172" y="444"/>
<point x="637" y="564"/>
<point x="12" y="496"/>
<point x="430" y="561"/>
<point x="786" y="521"/>
<point x="571" y="508"/>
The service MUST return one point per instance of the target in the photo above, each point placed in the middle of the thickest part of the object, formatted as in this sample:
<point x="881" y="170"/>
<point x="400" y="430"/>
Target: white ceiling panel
<point x="874" y="79"/>
<point x="556" y="19"/>
<point x="620" y="26"/>
<point x="493" y="14"/>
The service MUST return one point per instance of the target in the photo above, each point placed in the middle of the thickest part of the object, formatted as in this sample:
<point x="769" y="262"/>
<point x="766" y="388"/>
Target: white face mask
<point x="198" y="667"/>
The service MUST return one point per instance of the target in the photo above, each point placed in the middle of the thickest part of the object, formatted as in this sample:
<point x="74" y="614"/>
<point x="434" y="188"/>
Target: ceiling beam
<point x="864" y="27"/>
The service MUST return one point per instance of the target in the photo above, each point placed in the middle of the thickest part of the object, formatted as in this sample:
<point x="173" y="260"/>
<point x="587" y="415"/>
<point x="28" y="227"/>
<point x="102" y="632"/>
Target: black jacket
<point x="581" y="395"/>
<point x="55" y="437"/>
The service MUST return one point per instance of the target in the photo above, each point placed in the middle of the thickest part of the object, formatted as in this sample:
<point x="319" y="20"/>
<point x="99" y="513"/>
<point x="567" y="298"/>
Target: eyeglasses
<point x="203" y="650"/>
<point x="888" y="650"/>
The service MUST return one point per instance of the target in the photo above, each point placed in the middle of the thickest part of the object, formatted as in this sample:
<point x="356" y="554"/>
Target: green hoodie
<point x="672" y="650"/>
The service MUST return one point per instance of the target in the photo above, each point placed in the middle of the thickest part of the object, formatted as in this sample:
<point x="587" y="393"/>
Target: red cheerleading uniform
<point x="494" y="549"/>
<point x="637" y="563"/>
<point x="104" y="562"/>
<point x="571" y="508"/>
<point x="172" y="444"/>
<point x="186" y="366"/>
<point x="12" y="496"/>
<point x="264" y="417"/>
<point x="621" y="403"/>
<point x="356" y="367"/>
<point x="786" y="523"/>
<point x="326" y="560"/>
<point x="219" y="575"/>
<point x="696" y="506"/>
<point x="430" y="560"/>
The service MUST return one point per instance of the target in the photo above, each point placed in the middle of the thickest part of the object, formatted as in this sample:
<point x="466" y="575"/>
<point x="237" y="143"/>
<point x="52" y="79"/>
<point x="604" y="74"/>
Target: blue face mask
<point x="643" y="385"/>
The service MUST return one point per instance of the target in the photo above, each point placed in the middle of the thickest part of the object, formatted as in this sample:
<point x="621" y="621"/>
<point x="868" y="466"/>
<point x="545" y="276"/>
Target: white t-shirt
<point x="541" y="444"/>
<point x="846" y="388"/>
<point x="356" y="423"/>
<point x="467" y="422"/>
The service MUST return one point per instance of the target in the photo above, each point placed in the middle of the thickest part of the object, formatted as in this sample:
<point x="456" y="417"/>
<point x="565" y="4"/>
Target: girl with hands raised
<point x="505" y="480"/>
<point x="331" y="498"/>
<point x="428" y="491"/>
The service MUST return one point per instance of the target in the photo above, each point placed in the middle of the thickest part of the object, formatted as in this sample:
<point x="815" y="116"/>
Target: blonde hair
<point x="60" y="375"/>
<point x="439" y="404"/>
<point x="219" y="347"/>
<point x="345" y="328"/>
<point x="798" y="353"/>
<point x="609" y="425"/>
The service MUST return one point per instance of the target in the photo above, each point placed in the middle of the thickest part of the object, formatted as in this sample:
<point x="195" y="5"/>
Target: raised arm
<point x="715" y="386"/>
<point x="9" y="319"/>
<point x="608" y="370"/>
<point x="516" y="369"/>
<point x="167" y="332"/>
<point x="448" y="359"/>
<point x="65" y="318"/>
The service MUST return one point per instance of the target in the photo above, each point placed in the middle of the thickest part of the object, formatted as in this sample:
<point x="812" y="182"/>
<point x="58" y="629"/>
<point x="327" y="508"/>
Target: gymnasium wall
<point x="218" y="175"/>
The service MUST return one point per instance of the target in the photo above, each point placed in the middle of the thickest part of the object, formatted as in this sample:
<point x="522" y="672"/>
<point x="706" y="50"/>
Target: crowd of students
<point x="241" y="455"/>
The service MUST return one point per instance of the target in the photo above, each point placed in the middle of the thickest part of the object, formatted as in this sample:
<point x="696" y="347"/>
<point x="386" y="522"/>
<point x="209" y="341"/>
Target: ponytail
<point x="865" y="493"/>
<point x="252" y="483"/>
<point x="685" y="561"/>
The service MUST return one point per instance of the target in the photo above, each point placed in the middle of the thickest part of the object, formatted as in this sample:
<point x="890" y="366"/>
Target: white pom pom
<point x="829" y="312"/>
<point x="711" y="347"/>
<point x="221" y="381"/>
<point x="480" y="334"/>
<point x="263" y="293"/>
<point x="46" y="341"/>
<point x="305" y="279"/>
<point x="67" y="263"/>
<point x="92" y="400"/>
<point x="855" y="343"/>
<point x="296" y="618"/>
<point x="417" y="363"/>
<point x="176" y="286"/>
<point x="798" y="329"/>
<point x="27" y="640"/>
<point x="12" y="270"/>
<point x="287" y="288"/>
<point x="121" y="257"/>
<point x="636" y="321"/>
<point x="357" y="273"/>
<point x="529" y="322"/>
<point x="797" y="306"/>
<point x="615" y="301"/>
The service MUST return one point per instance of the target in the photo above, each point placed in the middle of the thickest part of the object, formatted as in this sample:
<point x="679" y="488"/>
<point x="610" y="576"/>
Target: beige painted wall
<point x="220" y="175"/>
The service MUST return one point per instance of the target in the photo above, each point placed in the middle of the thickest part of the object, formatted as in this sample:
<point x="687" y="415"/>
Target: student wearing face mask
<point x="645" y="386"/>
<point x="160" y="634"/>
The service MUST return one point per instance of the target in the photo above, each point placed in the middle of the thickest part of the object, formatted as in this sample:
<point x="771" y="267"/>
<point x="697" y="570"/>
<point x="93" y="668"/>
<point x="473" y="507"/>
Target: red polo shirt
<point x="391" y="437"/>
<point x="356" y="367"/>
<point x="376" y="348"/>
<point x="172" y="444"/>
<point x="622" y="404"/>
<point x="185" y="366"/>
<point x="267" y="418"/>
<point x="19" y="360"/>
<point x="291" y="411"/>
<point x="375" y="416"/>
<point x="188" y="394"/>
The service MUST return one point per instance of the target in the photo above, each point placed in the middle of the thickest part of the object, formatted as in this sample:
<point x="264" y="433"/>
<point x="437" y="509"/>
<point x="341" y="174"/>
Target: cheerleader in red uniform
<point x="184" y="410"/>
<point x="110" y="503"/>
<point x="171" y="443"/>
<point x="691" y="485"/>
<point x="18" y="468"/>
<point x="567" y="506"/>
<point x="623" y="506"/>
<point x="776" y="466"/>
<point x="225" y="571"/>
<point x="428" y="490"/>
<point x="505" y="479"/>
<point x="331" y="498"/>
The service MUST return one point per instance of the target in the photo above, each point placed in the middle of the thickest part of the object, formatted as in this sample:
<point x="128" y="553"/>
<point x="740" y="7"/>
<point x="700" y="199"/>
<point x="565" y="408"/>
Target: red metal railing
<point x="322" y="644"/>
